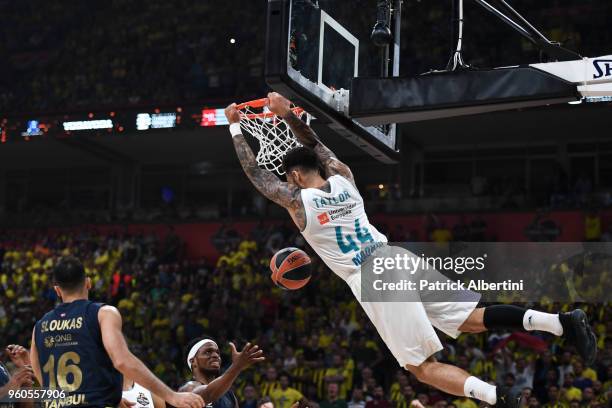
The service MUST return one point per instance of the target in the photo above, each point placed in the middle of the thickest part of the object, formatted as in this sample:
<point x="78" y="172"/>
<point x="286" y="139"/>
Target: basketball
<point x="290" y="268"/>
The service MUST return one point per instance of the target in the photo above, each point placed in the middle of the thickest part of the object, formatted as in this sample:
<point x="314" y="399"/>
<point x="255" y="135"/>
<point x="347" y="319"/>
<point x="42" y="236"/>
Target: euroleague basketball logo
<point x="294" y="258"/>
<point x="323" y="218"/>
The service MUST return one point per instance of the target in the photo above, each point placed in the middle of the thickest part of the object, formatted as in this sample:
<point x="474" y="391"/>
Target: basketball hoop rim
<point x="260" y="103"/>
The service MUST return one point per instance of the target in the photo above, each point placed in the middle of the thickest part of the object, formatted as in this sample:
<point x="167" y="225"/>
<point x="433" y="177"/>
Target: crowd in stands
<point x="318" y="342"/>
<point x="126" y="52"/>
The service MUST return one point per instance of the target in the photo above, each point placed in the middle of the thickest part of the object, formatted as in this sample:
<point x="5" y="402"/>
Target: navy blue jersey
<point x="227" y="400"/>
<point x="4" y="375"/>
<point x="72" y="357"/>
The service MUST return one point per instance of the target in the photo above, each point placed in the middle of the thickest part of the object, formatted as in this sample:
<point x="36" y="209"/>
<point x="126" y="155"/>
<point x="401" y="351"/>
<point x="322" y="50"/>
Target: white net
<point x="271" y="131"/>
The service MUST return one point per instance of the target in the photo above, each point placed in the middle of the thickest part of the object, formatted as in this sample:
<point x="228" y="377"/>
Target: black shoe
<point x="577" y="331"/>
<point x="505" y="401"/>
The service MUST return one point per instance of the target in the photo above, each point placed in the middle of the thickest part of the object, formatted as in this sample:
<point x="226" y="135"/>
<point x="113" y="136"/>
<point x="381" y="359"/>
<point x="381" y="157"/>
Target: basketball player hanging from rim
<point x="315" y="179"/>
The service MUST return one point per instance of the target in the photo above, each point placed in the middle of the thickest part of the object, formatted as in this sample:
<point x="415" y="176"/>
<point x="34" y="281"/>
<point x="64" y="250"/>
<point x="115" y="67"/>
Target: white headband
<point x="194" y="350"/>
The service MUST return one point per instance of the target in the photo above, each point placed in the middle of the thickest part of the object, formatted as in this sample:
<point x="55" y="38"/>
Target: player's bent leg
<point x="573" y="325"/>
<point x="453" y="380"/>
<point x="474" y="323"/>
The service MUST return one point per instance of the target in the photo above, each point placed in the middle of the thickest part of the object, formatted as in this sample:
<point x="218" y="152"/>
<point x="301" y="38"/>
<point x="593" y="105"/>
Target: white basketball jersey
<point x="140" y="395"/>
<point x="337" y="227"/>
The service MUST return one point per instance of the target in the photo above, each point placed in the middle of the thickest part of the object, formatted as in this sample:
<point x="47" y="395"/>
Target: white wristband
<point x="235" y="129"/>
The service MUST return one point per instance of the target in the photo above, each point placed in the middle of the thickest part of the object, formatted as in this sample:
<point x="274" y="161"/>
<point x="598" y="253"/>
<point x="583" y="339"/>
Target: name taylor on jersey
<point x="320" y="202"/>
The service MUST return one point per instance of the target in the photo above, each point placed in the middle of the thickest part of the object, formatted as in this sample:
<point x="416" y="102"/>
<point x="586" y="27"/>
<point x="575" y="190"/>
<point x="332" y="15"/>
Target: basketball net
<point x="271" y="131"/>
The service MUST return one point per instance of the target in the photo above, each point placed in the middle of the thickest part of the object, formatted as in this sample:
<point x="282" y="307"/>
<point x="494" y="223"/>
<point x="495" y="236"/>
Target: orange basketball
<point x="290" y="268"/>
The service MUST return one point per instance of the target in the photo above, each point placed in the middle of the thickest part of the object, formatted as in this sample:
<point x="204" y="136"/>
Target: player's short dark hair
<point x="69" y="273"/>
<point x="285" y="374"/>
<point x="302" y="157"/>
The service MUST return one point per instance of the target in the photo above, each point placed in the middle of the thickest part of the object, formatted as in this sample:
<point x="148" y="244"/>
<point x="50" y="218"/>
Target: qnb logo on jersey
<point x="49" y="342"/>
<point x="334" y="200"/>
<point x="603" y="68"/>
<point x="323" y="218"/>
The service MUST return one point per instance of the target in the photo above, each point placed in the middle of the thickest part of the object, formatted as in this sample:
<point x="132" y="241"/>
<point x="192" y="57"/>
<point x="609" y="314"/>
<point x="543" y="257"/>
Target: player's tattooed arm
<point x="307" y="137"/>
<point x="268" y="184"/>
<point x="304" y="133"/>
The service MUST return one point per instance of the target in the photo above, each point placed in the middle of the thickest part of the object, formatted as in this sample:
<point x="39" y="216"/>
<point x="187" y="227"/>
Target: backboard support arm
<point x="517" y="22"/>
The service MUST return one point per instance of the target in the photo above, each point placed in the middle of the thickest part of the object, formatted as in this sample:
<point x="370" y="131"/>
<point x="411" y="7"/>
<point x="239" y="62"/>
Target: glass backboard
<point x="313" y="51"/>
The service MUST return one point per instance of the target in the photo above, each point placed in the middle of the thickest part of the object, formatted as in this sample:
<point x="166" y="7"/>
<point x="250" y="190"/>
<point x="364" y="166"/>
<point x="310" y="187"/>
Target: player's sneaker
<point x="504" y="400"/>
<point x="577" y="331"/>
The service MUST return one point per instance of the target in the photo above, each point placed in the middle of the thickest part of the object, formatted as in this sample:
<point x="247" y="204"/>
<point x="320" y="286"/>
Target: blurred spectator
<point x="265" y="402"/>
<point x="569" y="391"/>
<point x="250" y="397"/>
<point x="378" y="400"/>
<point x="509" y="386"/>
<point x="407" y="396"/>
<point x="333" y="400"/>
<point x="583" y="377"/>
<point x="554" y="398"/>
<point x="357" y="399"/>
<point x="592" y="226"/>
<point x="465" y="402"/>
<point x="523" y="373"/>
<point x="270" y="383"/>
<point x="285" y="396"/>
<point x="439" y="232"/>
<point x="338" y="373"/>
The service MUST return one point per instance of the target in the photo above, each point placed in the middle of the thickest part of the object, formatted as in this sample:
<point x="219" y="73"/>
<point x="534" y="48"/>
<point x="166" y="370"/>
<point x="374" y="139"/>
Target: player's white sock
<point x="534" y="320"/>
<point x="476" y="388"/>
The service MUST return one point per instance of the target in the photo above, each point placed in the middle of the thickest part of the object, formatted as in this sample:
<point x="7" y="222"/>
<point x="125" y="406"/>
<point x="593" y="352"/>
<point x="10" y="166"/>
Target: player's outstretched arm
<point x="250" y="354"/>
<point x="307" y="137"/>
<point x="264" y="181"/>
<point x="130" y="366"/>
